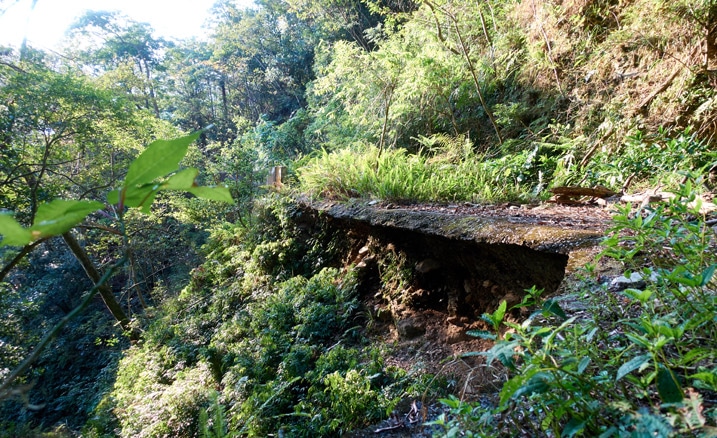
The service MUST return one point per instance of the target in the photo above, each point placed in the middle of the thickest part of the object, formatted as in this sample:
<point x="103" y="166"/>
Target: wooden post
<point x="276" y="174"/>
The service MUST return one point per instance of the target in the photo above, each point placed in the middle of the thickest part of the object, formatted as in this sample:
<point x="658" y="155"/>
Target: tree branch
<point x="5" y="389"/>
<point x="96" y="226"/>
<point x="439" y="31"/>
<point x="13" y="66"/>
<point x="471" y="67"/>
<point x="488" y="112"/>
<point x="25" y="251"/>
<point x="105" y="290"/>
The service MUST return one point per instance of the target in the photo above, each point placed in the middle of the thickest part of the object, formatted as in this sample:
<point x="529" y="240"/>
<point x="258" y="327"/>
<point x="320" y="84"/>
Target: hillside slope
<point x="307" y="323"/>
<point x="279" y="333"/>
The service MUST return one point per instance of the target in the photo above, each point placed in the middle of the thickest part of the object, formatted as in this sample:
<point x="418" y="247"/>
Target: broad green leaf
<point x="670" y="332"/>
<point x="707" y="378"/>
<point x="514" y="384"/>
<point x="496" y="317"/>
<point x="682" y="276"/>
<point x="487" y="317"/>
<point x="182" y="180"/>
<point x="667" y="385"/>
<point x="146" y="206"/>
<point x="504" y="352"/>
<point x="574" y="426"/>
<point x="113" y="197"/>
<point x="212" y="193"/>
<point x="639" y="340"/>
<point x="542" y="331"/>
<point x="707" y="274"/>
<point x="640" y="295"/>
<point x="631" y="365"/>
<point x="568" y="363"/>
<point x="142" y="196"/>
<point x="12" y="232"/>
<point x="551" y="306"/>
<point x="500" y="312"/>
<point x="538" y="383"/>
<point x="584" y="362"/>
<point x="591" y="334"/>
<point x="58" y="216"/>
<point x="159" y="159"/>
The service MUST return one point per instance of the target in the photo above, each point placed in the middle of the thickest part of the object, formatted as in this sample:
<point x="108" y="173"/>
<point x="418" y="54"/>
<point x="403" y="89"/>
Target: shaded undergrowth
<point x="268" y="337"/>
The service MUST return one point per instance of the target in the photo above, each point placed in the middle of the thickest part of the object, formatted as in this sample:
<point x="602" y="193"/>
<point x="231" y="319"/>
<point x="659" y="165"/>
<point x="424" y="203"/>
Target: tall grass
<point x="452" y="171"/>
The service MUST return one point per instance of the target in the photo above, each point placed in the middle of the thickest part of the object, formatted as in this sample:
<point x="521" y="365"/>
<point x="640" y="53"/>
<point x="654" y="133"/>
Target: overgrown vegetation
<point x="641" y="364"/>
<point x="517" y="97"/>
<point x="448" y="170"/>
<point x="268" y="336"/>
<point x="401" y="101"/>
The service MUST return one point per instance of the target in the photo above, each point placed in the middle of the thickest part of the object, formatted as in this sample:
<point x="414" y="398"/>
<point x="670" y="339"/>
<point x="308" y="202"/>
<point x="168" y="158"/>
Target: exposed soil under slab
<point x="463" y="260"/>
<point x="466" y="259"/>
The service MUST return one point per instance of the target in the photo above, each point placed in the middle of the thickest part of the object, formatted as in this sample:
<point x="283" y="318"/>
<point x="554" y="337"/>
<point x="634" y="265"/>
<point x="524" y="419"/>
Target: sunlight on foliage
<point x="638" y="364"/>
<point x="284" y="349"/>
<point x="448" y="172"/>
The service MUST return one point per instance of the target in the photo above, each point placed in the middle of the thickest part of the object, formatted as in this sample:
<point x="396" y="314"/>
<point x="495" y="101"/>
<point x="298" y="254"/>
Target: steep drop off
<point x="466" y="260"/>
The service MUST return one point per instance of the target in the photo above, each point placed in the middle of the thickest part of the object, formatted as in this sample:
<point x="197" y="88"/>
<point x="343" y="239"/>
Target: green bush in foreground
<point x="642" y="366"/>
<point x="251" y="348"/>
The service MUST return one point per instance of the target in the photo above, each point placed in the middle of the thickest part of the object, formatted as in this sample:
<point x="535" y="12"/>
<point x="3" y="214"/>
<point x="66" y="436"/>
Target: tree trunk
<point x="711" y="50"/>
<point x="152" y="96"/>
<point x="387" y="106"/>
<point x="105" y="290"/>
<point x="225" y="109"/>
<point x="472" y="69"/>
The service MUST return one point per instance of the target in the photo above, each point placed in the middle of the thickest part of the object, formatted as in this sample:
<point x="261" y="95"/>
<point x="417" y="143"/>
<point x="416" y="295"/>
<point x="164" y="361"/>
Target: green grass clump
<point x="448" y="169"/>
<point x="451" y="172"/>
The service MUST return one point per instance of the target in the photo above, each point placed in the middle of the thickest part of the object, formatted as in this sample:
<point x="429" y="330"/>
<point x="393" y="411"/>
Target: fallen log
<point x="575" y="191"/>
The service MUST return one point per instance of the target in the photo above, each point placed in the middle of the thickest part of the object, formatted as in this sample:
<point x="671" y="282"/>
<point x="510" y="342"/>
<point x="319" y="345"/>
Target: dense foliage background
<point x="235" y="319"/>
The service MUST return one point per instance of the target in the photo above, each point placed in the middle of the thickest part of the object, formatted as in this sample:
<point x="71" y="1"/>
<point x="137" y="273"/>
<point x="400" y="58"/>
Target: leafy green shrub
<point x="250" y="349"/>
<point x="280" y="350"/>
<point x="647" y="370"/>
<point x="333" y="405"/>
<point x="651" y="160"/>
<point x="156" y="396"/>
